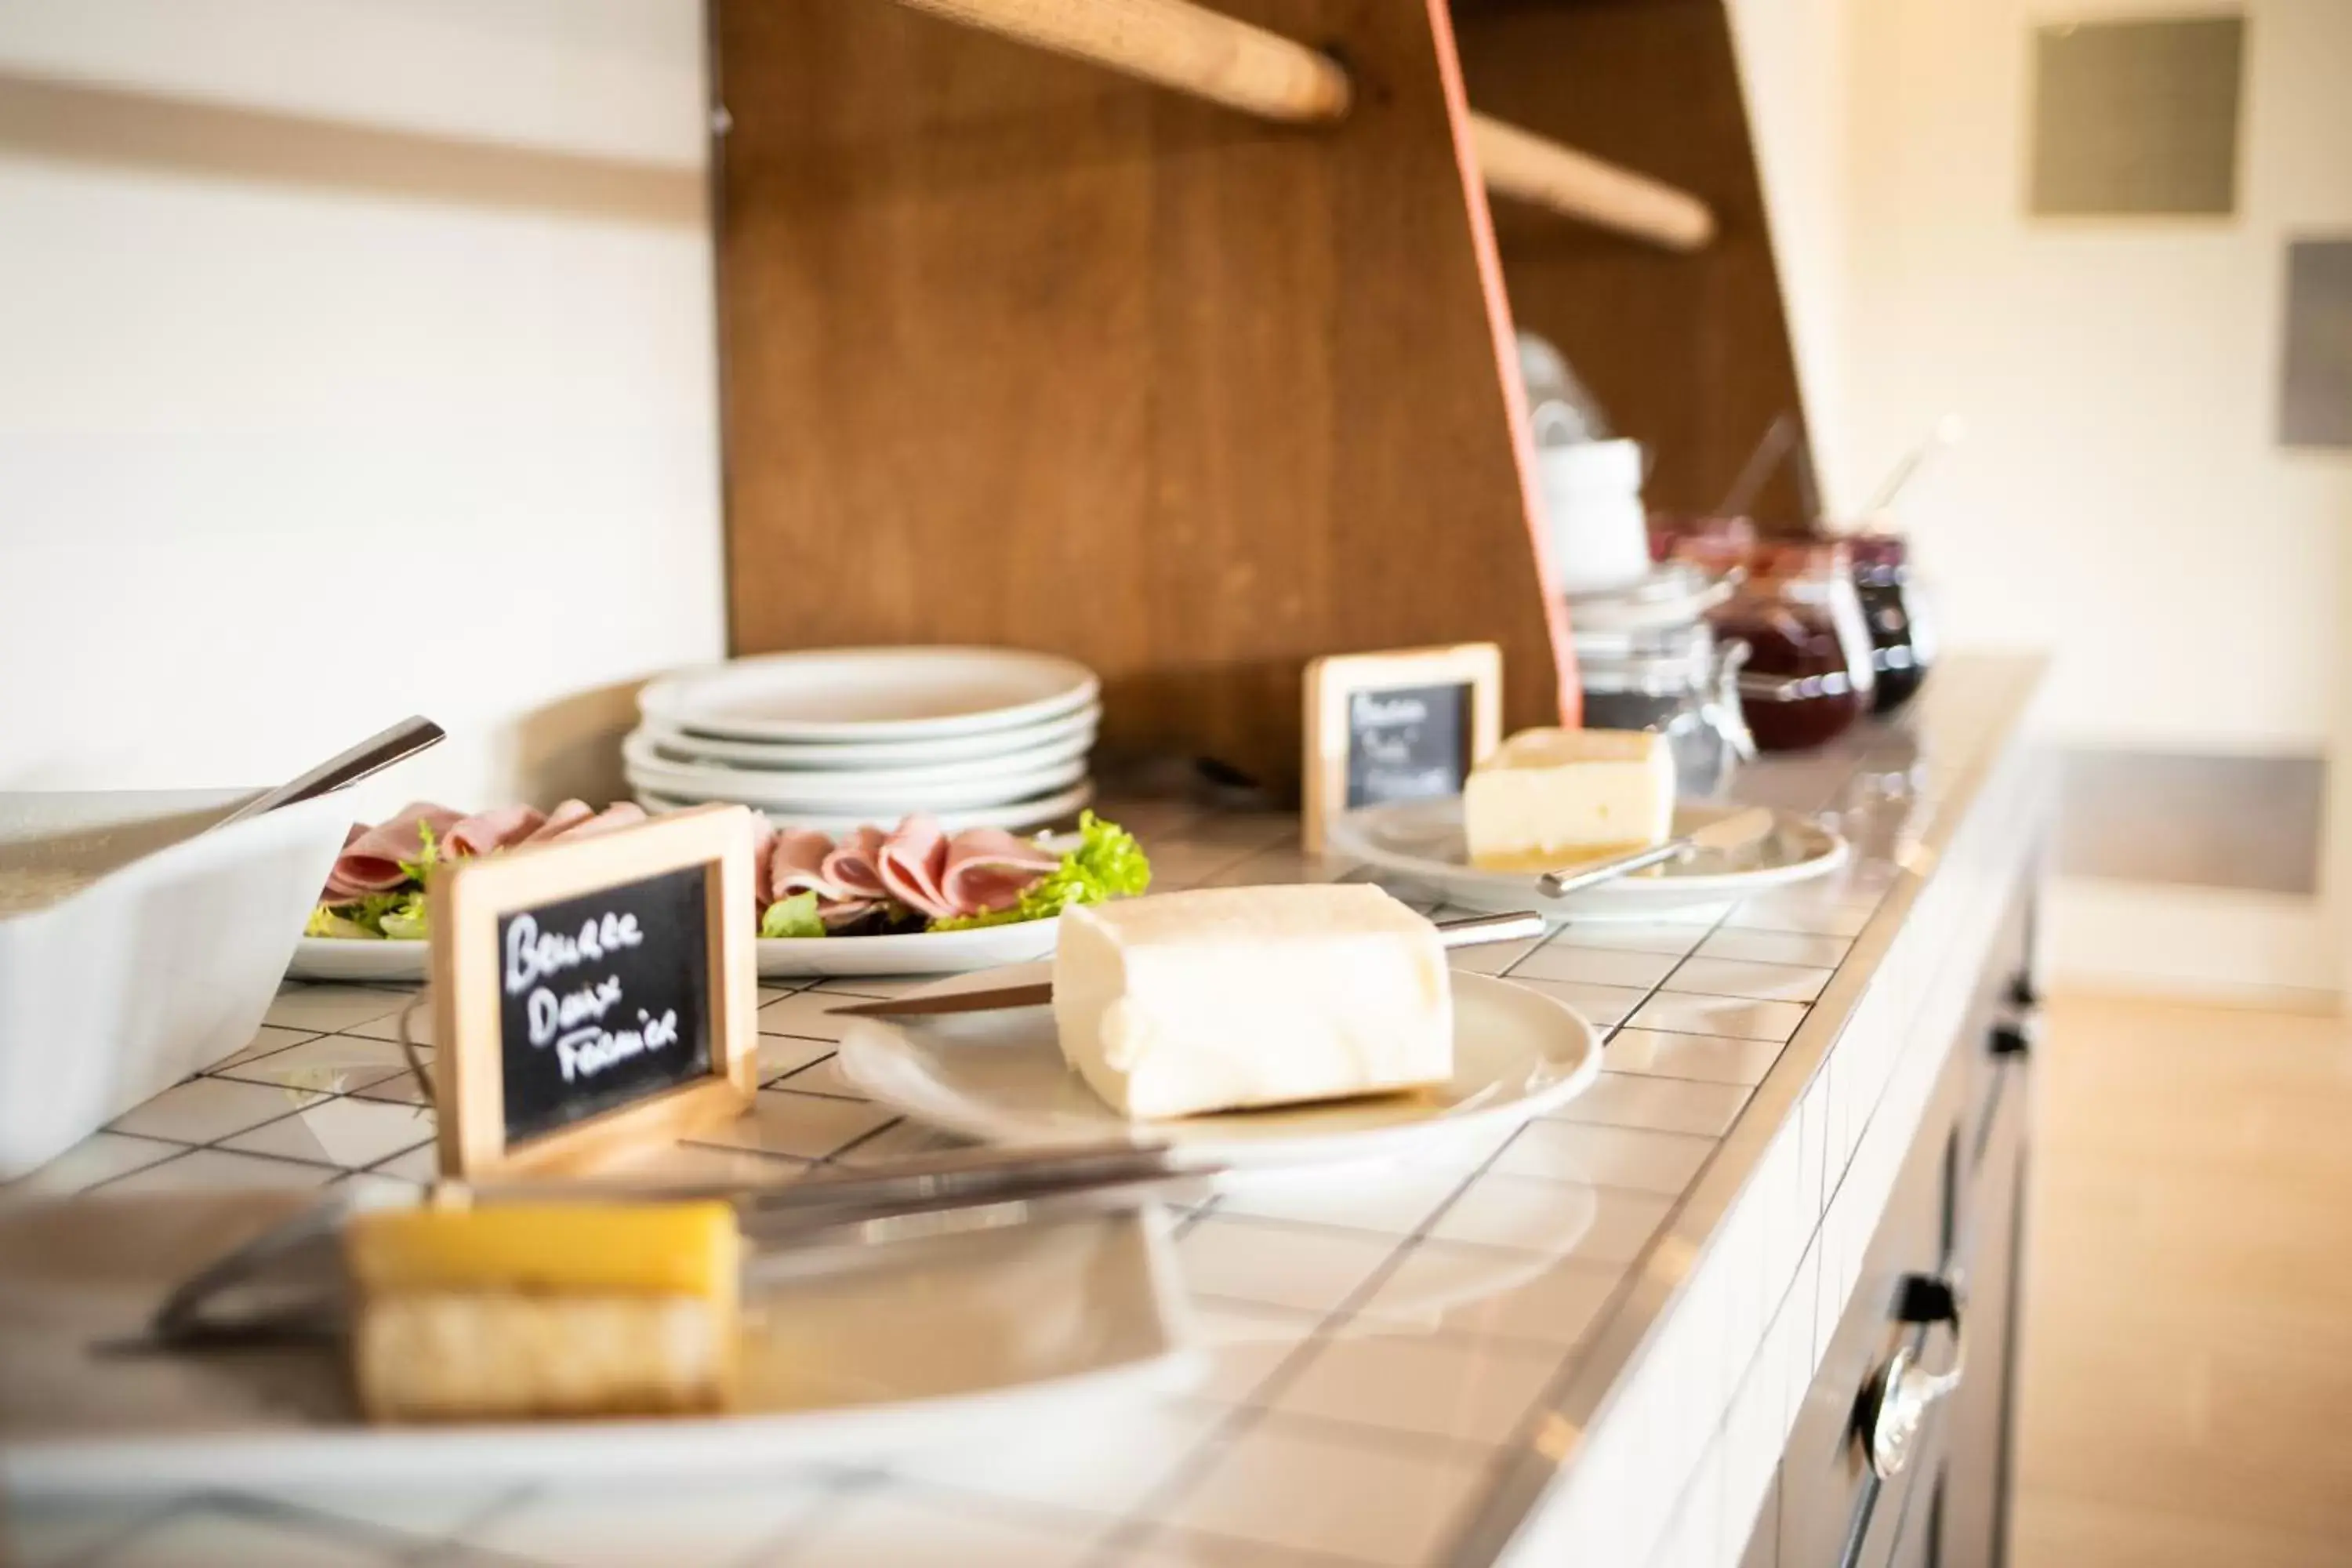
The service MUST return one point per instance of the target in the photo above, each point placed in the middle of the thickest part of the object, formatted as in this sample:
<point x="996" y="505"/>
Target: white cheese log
<point x="1548" y="797"/>
<point x="1227" y="997"/>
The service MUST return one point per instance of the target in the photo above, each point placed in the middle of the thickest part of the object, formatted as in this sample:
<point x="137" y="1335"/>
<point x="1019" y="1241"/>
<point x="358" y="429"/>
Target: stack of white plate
<point x="834" y="738"/>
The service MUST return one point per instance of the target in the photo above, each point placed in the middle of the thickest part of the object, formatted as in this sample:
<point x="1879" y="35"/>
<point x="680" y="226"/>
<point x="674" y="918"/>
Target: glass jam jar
<point x="1902" y="650"/>
<point x="1811" y="672"/>
<point x="1678" y="681"/>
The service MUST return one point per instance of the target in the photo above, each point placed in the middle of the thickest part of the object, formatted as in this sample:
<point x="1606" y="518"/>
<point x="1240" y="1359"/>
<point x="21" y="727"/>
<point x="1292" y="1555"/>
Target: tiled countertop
<point x="1588" y="1338"/>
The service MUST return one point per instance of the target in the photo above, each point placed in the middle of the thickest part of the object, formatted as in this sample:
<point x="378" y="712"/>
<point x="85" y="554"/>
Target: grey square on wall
<point x="2315" y="368"/>
<point x="2134" y="117"/>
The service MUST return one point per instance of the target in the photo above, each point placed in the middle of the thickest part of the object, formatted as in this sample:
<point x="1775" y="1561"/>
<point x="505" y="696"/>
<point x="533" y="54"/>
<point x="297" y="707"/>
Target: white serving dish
<point x="881" y="794"/>
<point x="1051" y="740"/>
<point x="869" y="693"/>
<point x="851" y="1351"/>
<point x="160" y="966"/>
<point x="999" y="1077"/>
<point x="1422" y="840"/>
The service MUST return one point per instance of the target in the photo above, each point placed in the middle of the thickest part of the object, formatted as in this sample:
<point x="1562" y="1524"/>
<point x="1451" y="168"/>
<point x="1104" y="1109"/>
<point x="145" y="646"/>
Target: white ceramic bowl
<point x="160" y="965"/>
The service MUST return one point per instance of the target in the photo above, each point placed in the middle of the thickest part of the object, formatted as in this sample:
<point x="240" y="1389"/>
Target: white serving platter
<point x="875" y="793"/>
<point x="869" y="693"/>
<point x="845" y="1355"/>
<point x="1422" y="840"/>
<point x="999" y="1077"/>
<point x="997" y="750"/>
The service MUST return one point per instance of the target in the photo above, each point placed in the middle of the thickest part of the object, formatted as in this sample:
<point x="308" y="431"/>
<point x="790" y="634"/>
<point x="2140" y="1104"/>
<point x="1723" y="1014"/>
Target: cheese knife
<point x="1470" y="931"/>
<point x="1735" y="832"/>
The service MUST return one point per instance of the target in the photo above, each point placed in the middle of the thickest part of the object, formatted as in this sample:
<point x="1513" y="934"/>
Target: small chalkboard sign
<point x="595" y="996"/>
<point x="1407" y="725"/>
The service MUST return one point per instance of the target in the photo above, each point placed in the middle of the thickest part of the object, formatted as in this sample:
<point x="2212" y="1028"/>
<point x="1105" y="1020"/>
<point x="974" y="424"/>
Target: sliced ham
<point x="838" y="912"/>
<point x="988" y="869"/>
<point x="370" y="862"/>
<point x="796" y="864"/>
<point x="913" y="860"/>
<point x="561" y="820"/>
<point x="763" y="839"/>
<point x="613" y="818"/>
<point x="488" y="830"/>
<point x="856" y="865"/>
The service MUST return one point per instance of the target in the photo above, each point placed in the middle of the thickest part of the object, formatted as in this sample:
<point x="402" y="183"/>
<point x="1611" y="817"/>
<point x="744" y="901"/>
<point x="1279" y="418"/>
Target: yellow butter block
<point x="589" y="1248"/>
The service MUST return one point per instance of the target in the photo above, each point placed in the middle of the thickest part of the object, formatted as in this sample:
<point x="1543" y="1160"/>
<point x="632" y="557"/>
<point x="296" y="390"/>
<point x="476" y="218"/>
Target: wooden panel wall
<point x="1021" y="351"/>
<point x="1687" y="354"/>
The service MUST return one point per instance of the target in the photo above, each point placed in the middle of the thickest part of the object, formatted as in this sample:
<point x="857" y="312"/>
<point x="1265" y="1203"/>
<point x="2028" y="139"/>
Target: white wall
<point x="355" y="358"/>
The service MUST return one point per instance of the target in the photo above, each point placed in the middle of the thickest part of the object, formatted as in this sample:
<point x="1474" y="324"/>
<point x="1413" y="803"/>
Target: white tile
<point x="873" y="985"/>
<point x="1467" y="1391"/>
<point x="432" y="1511"/>
<point x="264" y="1040"/>
<point x="388" y="1026"/>
<point x="216" y="1170"/>
<point x="1302" y="1489"/>
<point x="1689" y="1015"/>
<point x="1090" y="1467"/>
<point x="400" y="1088"/>
<point x="206" y="1537"/>
<point x="1660" y="1104"/>
<point x="1643" y="1159"/>
<point x="1806" y="920"/>
<point x="807" y="1013"/>
<point x="1489" y="957"/>
<point x="61" y="1531"/>
<point x="1557" y="1219"/>
<point x="1813" y="1150"/>
<point x="1676" y="938"/>
<point x="625" y="1524"/>
<point x="905" y="1141"/>
<point x="422" y="1165"/>
<point x="1394" y="1200"/>
<point x="333" y="1064"/>
<point x="101" y="1157"/>
<point x="822" y="1076"/>
<point x="806" y="1126"/>
<point x="1243" y="1343"/>
<point x="1741" y="977"/>
<point x="779" y="1054"/>
<point x="327" y="1007"/>
<point x="211" y="1108"/>
<point x="703" y="1165"/>
<point x="1777" y="947"/>
<point x="1490" y="1292"/>
<point x="1595" y="965"/>
<point x="346" y="1133"/>
<point x="1711" y="1057"/>
<point x="1307" y="1268"/>
<point x="893" y="1528"/>
<point x="1602" y="1005"/>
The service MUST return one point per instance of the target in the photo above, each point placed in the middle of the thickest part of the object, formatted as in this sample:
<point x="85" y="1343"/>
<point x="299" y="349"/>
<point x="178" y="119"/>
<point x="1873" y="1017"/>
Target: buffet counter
<point x="1634" y="1332"/>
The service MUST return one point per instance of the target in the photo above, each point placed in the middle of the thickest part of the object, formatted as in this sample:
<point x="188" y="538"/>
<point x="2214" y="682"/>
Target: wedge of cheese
<point x="1226" y="997"/>
<point x="1550" y="797"/>
<point x="522" y="1309"/>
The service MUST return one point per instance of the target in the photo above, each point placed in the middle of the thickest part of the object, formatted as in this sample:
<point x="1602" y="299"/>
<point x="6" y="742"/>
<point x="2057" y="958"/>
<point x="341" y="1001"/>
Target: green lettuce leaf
<point x="327" y="920"/>
<point x="1108" y="864"/>
<point x="404" y="921"/>
<point x="795" y="916"/>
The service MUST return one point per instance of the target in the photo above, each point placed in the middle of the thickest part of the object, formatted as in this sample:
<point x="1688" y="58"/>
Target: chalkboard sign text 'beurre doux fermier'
<point x="1407" y="725"/>
<point x="596" y="997"/>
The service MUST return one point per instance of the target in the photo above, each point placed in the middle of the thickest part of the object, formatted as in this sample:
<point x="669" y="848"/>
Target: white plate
<point x="780" y="958"/>
<point x="999" y="1077"/>
<point x="876" y="794"/>
<point x="1031" y="745"/>
<point x="1016" y="815"/>
<point x="1054" y="1323"/>
<point x="1423" y="839"/>
<point x="869" y="693"/>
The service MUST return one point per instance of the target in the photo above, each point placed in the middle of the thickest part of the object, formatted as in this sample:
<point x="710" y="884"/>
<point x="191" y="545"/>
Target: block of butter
<point x="559" y="1308"/>
<point x="1550" y="797"/>
<point x="1179" y="1003"/>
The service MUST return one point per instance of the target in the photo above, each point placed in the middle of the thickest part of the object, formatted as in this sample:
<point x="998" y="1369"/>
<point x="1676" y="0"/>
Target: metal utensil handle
<point x="378" y="752"/>
<point x="1473" y="929"/>
<point x="1555" y="884"/>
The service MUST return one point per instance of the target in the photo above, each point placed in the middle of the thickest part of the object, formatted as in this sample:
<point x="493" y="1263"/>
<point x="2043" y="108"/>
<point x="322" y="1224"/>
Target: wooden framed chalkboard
<point x="594" y="997"/>
<point x="1406" y="725"/>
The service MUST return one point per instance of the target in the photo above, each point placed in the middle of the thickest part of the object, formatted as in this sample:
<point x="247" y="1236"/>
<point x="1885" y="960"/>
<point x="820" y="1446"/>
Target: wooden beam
<point x="1530" y="168"/>
<point x="1175" y="44"/>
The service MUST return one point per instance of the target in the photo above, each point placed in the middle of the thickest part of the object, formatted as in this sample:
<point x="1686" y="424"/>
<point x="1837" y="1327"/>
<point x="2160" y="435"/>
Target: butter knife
<point x="1734" y="832"/>
<point x="1469" y="932"/>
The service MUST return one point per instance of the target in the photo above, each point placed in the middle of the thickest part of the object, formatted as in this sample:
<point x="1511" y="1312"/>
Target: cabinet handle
<point x="2016" y="1035"/>
<point x="1897" y="1402"/>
